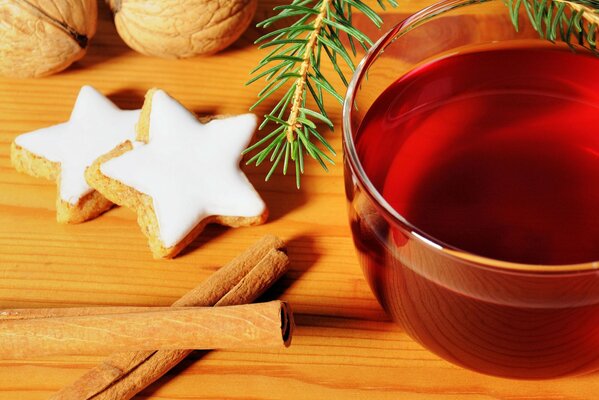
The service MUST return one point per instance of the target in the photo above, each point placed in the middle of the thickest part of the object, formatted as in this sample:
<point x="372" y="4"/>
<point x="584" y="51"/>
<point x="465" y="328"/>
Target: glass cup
<point x="500" y="318"/>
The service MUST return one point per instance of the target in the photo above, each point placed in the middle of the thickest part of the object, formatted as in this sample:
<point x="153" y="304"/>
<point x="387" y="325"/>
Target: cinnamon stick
<point x="246" y="326"/>
<point x="244" y="279"/>
<point x="31" y="313"/>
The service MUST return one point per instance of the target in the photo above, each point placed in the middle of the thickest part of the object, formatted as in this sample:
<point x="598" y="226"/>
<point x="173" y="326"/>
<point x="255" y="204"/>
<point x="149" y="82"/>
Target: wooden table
<point x="345" y="347"/>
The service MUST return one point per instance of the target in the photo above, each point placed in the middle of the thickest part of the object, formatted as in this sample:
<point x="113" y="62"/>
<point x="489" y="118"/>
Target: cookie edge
<point x="88" y="207"/>
<point x="143" y="205"/>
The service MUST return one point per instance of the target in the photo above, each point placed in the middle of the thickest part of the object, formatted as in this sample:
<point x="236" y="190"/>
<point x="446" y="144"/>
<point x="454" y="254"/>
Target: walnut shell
<point x="181" y="28"/>
<point x="41" y="37"/>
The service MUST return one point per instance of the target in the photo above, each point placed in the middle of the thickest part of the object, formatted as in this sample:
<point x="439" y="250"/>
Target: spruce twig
<point x="570" y="21"/>
<point x="293" y="68"/>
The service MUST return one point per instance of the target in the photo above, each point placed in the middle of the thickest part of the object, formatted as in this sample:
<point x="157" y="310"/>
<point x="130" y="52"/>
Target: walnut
<point x="41" y="37"/>
<point x="181" y="28"/>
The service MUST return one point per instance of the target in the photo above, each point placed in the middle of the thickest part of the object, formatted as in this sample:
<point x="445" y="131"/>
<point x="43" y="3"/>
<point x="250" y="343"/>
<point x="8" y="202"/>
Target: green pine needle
<point x="293" y="66"/>
<point x="573" y="22"/>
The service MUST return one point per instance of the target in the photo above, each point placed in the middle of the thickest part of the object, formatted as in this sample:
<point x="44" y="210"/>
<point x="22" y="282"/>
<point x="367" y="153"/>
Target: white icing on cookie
<point x="96" y="126"/>
<point x="191" y="170"/>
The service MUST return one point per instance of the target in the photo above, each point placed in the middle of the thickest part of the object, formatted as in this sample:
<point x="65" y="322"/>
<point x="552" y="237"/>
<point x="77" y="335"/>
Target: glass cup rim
<point x="358" y="172"/>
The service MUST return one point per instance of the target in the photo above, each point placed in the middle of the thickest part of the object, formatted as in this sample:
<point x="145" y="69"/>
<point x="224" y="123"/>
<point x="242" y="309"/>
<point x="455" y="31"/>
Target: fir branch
<point x="565" y="20"/>
<point x="293" y="68"/>
<point x="300" y="83"/>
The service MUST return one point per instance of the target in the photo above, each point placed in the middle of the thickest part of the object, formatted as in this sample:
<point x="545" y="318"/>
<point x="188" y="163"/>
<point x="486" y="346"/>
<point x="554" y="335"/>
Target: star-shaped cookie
<point x="183" y="175"/>
<point x="63" y="151"/>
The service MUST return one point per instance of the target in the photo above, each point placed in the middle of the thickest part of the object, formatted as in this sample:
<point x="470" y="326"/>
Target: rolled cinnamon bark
<point x="244" y="279"/>
<point x="32" y="313"/>
<point x="252" y="325"/>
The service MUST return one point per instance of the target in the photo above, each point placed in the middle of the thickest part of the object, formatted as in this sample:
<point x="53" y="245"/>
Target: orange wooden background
<point x="344" y="347"/>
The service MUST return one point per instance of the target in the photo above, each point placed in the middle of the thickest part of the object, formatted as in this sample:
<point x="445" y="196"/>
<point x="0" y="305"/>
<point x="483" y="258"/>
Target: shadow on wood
<point x="301" y="249"/>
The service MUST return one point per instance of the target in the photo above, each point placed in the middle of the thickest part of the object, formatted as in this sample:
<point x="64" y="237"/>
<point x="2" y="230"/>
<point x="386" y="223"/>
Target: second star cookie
<point x="181" y="174"/>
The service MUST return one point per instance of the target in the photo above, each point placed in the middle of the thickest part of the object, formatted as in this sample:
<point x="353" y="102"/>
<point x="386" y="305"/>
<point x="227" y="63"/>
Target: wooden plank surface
<point x="344" y="347"/>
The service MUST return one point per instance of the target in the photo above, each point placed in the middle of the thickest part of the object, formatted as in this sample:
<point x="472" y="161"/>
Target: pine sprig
<point x="293" y="68"/>
<point x="570" y="21"/>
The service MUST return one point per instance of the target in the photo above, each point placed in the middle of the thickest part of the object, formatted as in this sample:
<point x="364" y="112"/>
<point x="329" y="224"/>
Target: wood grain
<point x="344" y="345"/>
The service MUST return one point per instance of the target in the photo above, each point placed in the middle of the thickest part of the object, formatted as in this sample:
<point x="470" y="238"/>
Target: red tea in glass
<point x="495" y="152"/>
<point x="481" y="236"/>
